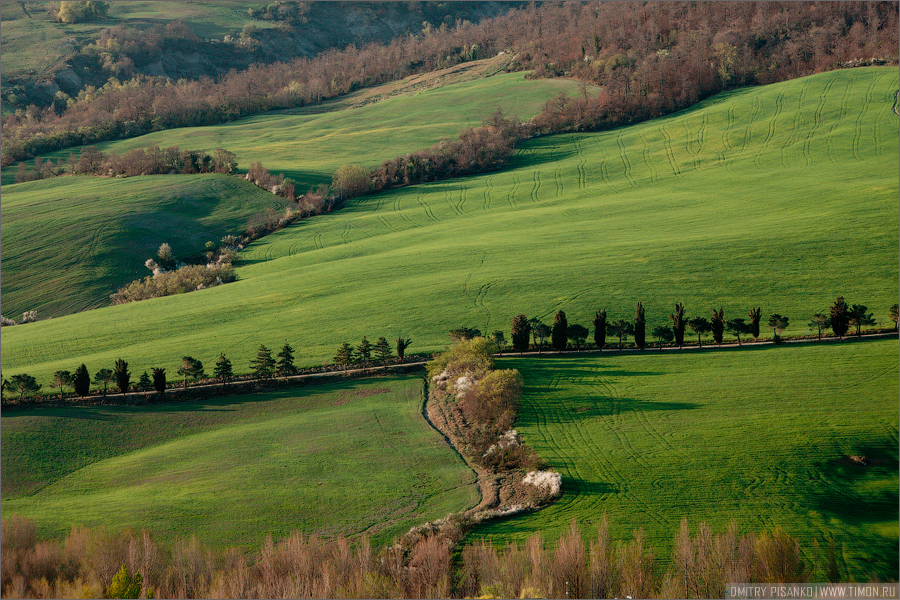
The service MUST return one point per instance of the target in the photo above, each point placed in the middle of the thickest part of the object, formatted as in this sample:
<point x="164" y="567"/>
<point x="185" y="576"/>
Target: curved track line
<point x="624" y="156"/>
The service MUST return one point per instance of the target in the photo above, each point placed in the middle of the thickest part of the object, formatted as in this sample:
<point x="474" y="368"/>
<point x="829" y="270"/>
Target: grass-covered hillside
<point x="761" y="436"/>
<point x="308" y="144"/>
<point x="781" y="196"/>
<point x="345" y="459"/>
<point x="69" y="242"/>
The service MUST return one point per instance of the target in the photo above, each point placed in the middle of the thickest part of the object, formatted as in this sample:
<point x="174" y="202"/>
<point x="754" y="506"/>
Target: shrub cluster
<point x="485" y="402"/>
<point x="139" y="161"/>
<point x="168" y="283"/>
<point x="90" y="563"/>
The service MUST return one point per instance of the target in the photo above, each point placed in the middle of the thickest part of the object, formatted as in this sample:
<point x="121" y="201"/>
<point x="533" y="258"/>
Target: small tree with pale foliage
<point x="820" y="322"/>
<point x="62" y="379"/>
<point x="190" y="368"/>
<point x="124" y="585"/>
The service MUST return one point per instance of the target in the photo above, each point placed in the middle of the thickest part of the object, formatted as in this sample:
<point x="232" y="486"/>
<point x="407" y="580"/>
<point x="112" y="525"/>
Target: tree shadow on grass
<point x="860" y="490"/>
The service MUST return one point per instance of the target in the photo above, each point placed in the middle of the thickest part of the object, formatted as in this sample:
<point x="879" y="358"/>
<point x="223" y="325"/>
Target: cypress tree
<point x="640" y="327"/>
<point x="123" y="377"/>
<point x="520" y="331"/>
<point x="599" y="324"/>
<point x="82" y="382"/>
<point x="718" y="325"/>
<point x="755" y="316"/>
<point x="402" y="345"/>
<point x="678" y="324"/>
<point x="840" y="317"/>
<point x="159" y="379"/>
<point x="560" y="331"/>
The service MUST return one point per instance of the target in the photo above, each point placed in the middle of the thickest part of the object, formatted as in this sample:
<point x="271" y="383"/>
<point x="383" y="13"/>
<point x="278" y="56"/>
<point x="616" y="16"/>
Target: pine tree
<point x="103" y="376"/>
<point x="500" y="339"/>
<point x="778" y="324"/>
<point x="190" y="368"/>
<point x="123" y="377"/>
<point x="737" y="327"/>
<point x="599" y="324"/>
<point x="755" y="315"/>
<point x="520" y="331"/>
<point x="678" y="324"/>
<point x="700" y="326"/>
<point x="894" y="314"/>
<point x="159" y="379"/>
<point x="859" y="318"/>
<point x="263" y="365"/>
<point x="560" y="331"/>
<point x="820" y="322"/>
<point x="82" y="381"/>
<point x="840" y="317"/>
<point x="640" y="327"/>
<point x="383" y="350"/>
<point x="144" y="381"/>
<point x="223" y="370"/>
<point x="662" y="332"/>
<point x="124" y="585"/>
<point x="344" y="355"/>
<point x="24" y="384"/>
<point x="718" y="325"/>
<point x="621" y="329"/>
<point x="285" y="365"/>
<point x="62" y="379"/>
<point x="364" y="351"/>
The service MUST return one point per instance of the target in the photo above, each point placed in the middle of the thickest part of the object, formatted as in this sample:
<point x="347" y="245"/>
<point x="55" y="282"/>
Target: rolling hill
<point x="651" y="439"/>
<point x="232" y="470"/>
<point x="49" y="224"/>
<point x="781" y="196"/>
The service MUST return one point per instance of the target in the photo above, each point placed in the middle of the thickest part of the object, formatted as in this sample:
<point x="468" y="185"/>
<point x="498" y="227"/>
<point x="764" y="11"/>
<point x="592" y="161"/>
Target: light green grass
<point x="760" y="436"/>
<point x="782" y="196"/>
<point x="69" y="243"/>
<point x="46" y="267"/>
<point x="341" y="459"/>
<point x="309" y="144"/>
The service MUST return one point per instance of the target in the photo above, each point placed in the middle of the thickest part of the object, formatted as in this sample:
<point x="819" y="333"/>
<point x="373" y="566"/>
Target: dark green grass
<point x="783" y="196"/>
<point x="761" y="436"/>
<point x="69" y="243"/>
<point x="339" y="459"/>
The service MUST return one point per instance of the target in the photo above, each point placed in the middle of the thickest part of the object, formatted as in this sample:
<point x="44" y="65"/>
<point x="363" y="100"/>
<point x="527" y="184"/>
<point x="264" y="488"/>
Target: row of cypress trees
<point x="840" y="318"/>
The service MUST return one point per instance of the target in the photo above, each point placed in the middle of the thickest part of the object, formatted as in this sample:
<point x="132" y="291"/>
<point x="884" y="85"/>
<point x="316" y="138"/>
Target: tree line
<point x="192" y="371"/>
<point x="533" y="333"/>
<point x="94" y="563"/>
<point x="650" y="59"/>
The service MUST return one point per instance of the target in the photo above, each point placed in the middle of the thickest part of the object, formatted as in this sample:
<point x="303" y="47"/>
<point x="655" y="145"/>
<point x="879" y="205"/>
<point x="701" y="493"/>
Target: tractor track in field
<point x="857" y="123"/>
<point x="623" y="154"/>
<point x="645" y="153"/>
<point x="845" y="108"/>
<point x="670" y="154"/>
<point x="770" y="131"/>
<point x="817" y="123"/>
<point x="486" y="195"/>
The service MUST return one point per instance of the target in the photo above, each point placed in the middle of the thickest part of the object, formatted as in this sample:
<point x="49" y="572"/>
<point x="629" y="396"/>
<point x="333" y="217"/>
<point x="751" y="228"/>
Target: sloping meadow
<point x="781" y="196"/>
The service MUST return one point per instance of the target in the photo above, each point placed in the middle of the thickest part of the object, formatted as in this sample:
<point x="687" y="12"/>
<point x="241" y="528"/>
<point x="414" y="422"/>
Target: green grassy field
<point x="124" y="221"/>
<point x="761" y="436"/>
<point x="783" y="196"/>
<point x="68" y="243"/>
<point x="309" y="144"/>
<point x="340" y="459"/>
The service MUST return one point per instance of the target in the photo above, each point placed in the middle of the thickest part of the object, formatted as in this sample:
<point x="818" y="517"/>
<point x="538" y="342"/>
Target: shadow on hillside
<point x="859" y="489"/>
<point x="587" y="406"/>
